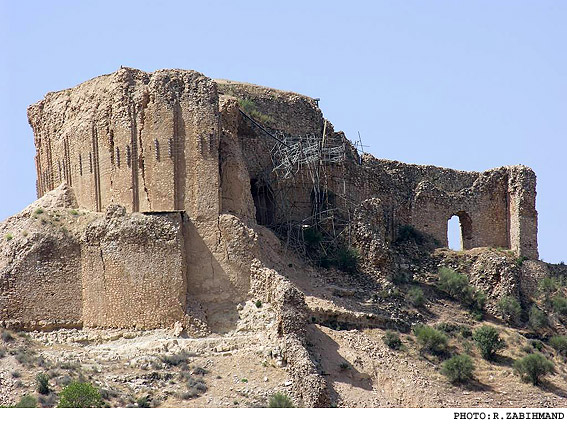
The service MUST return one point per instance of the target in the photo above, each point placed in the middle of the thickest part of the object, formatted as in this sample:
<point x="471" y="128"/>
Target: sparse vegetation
<point x="559" y="343"/>
<point x="74" y="212"/>
<point x="533" y="367"/>
<point x="258" y="303"/>
<point x="392" y="340"/>
<point x="143" y="402"/>
<point x="249" y="107"/>
<point x="344" y="366"/>
<point x="27" y="401"/>
<point x="347" y="259"/>
<point x="38" y="211"/>
<point x="416" y="297"/>
<point x="458" y="369"/>
<point x="457" y="286"/>
<point x="537" y="318"/>
<point x="8" y="237"/>
<point x="559" y="304"/>
<point x="280" y="400"/>
<point x="42" y="381"/>
<point x="547" y="287"/>
<point x="488" y="341"/>
<point x="510" y="309"/>
<point x="200" y="371"/>
<point x="195" y="387"/>
<point x="7" y="336"/>
<point x="430" y="339"/>
<point x="80" y="395"/>
<point x="176" y="359"/>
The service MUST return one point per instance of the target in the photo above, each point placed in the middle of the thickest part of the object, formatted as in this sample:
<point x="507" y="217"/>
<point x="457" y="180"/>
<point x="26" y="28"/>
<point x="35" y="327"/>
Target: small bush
<point x="416" y="297"/>
<point x="38" y="211"/>
<point x="559" y="304"/>
<point x="42" y="381"/>
<point x="8" y="237"/>
<point x="80" y="395"/>
<point x="559" y="343"/>
<point x="344" y="366"/>
<point x="548" y="286"/>
<point x="458" y="369"/>
<point x="26" y="401"/>
<point x="312" y="238"/>
<point x="458" y="287"/>
<point x="532" y="367"/>
<point x="279" y="400"/>
<point x="143" y="402"/>
<point x="176" y="359"/>
<point x="347" y="259"/>
<point x="537" y="319"/>
<point x="402" y="278"/>
<point x="74" y="212"/>
<point x="7" y="336"/>
<point x="510" y="309"/>
<point x="200" y="371"/>
<point x="195" y="386"/>
<point x="392" y="340"/>
<point x="430" y="339"/>
<point x="47" y="401"/>
<point x="258" y="303"/>
<point x="16" y="374"/>
<point x="488" y="341"/>
<point x="452" y="282"/>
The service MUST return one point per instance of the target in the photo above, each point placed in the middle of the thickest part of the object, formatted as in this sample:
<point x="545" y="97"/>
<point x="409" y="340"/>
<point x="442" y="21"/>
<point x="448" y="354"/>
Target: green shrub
<point x="38" y="211"/>
<point x="559" y="343"/>
<point x="26" y="401"/>
<point x="537" y="319"/>
<point x="458" y="369"/>
<point x="559" y="304"/>
<point x="258" y="303"/>
<point x="452" y="282"/>
<point x="532" y="367"/>
<point x="510" y="309"/>
<point x="347" y="259"/>
<point x="74" y="212"/>
<point x="279" y="400"/>
<point x="458" y="287"/>
<point x="7" y="336"/>
<point x="312" y="238"/>
<point x="488" y="341"/>
<point x="8" y="237"/>
<point x="392" y="340"/>
<point x="402" y="278"/>
<point x="416" y="297"/>
<point x="547" y="287"/>
<point x="430" y="339"/>
<point x="143" y="402"/>
<point x="80" y="395"/>
<point x="42" y="381"/>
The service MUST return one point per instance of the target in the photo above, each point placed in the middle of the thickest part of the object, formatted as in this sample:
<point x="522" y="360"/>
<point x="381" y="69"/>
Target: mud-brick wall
<point x="134" y="271"/>
<point x="41" y="287"/>
<point x="147" y="141"/>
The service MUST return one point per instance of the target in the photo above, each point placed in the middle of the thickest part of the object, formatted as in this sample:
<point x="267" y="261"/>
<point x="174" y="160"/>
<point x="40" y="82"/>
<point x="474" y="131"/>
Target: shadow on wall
<point x="208" y="283"/>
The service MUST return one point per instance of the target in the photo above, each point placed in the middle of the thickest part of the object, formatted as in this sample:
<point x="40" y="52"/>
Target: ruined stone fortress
<point x="177" y="177"/>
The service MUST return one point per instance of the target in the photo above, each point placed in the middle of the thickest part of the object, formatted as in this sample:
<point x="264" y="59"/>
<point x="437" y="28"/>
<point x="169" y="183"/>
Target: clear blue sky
<point x="470" y="85"/>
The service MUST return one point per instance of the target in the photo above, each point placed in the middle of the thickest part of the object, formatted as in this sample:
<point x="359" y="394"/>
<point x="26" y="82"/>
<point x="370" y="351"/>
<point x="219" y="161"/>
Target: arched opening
<point x="459" y="231"/>
<point x="263" y="201"/>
